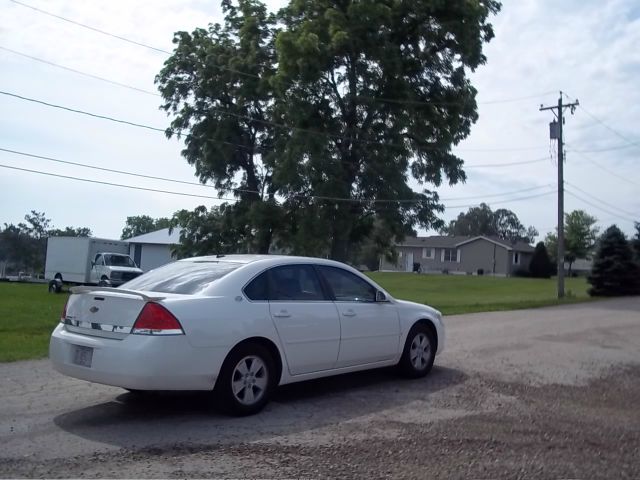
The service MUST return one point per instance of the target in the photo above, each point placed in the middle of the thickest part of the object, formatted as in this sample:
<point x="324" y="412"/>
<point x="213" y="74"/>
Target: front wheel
<point x="246" y="380"/>
<point x="419" y="352"/>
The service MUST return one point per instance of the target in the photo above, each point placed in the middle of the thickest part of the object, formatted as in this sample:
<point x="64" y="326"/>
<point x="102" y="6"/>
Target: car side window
<point x="258" y="288"/>
<point x="294" y="283"/>
<point x="98" y="260"/>
<point x="346" y="286"/>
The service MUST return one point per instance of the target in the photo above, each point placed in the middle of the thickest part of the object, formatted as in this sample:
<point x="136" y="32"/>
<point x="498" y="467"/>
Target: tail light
<point x="63" y="315"/>
<point x="154" y="319"/>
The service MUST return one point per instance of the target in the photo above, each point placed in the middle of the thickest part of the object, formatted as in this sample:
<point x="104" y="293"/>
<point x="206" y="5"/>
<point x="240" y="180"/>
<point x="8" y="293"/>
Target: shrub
<point x="614" y="272"/>
<point x="541" y="266"/>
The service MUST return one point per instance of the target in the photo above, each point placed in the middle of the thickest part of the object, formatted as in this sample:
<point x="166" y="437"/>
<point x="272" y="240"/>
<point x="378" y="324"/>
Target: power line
<point x="183" y="194"/>
<point x="88" y="27"/>
<point x="112" y="170"/>
<point x="595" y="205"/>
<point x="611" y="129"/>
<point x="246" y="117"/>
<point x="605" y="149"/>
<point x="427" y="102"/>
<point x="510" y="164"/>
<point x="615" y="207"/>
<point x="605" y="169"/>
<point x="82" y="112"/>
<point x="79" y="72"/>
<point x="132" y="187"/>
<point x="498" y="194"/>
<point x="239" y="190"/>
<point x="505" y="201"/>
<point x="157" y="49"/>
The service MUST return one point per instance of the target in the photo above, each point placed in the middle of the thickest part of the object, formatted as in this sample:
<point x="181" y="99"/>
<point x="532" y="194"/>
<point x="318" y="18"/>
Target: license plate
<point x="82" y="356"/>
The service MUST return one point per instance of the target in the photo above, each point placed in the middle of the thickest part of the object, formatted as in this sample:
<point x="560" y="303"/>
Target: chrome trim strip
<point x="102" y="327"/>
<point x="148" y="331"/>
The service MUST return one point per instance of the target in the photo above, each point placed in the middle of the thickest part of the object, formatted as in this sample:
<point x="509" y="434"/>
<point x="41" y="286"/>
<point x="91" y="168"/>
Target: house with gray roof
<point x="462" y="255"/>
<point x="154" y="249"/>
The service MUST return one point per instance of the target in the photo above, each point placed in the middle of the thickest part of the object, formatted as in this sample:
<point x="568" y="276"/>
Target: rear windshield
<point x="181" y="277"/>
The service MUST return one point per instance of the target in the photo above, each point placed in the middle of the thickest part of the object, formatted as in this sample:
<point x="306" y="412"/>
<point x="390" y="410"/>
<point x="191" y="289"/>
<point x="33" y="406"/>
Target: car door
<point x="305" y="317"/>
<point x="96" y="269"/>
<point x="370" y="330"/>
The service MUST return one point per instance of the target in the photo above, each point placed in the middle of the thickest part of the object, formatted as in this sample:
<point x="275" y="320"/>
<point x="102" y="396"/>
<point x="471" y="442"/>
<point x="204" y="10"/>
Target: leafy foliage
<point x="614" y="271"/>
<point x="335" y="111"/>
<point x="540" y="265"/>
<point x="482" y="220"/>
<point x="580" y="235"/>
<point x="635" y="242"/>
<point x="225" y="115"/>
<point x="141" y="224"/>
<point x="378" y="93"/>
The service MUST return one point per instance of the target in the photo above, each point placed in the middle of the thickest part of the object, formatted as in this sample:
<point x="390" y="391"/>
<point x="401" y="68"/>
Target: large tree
<point x="216" y="87"/>
<point x="318" y="133"/>
<point x="482" y="220"/>
<point x="614" y="270"/>
<point x="373" y="93"/>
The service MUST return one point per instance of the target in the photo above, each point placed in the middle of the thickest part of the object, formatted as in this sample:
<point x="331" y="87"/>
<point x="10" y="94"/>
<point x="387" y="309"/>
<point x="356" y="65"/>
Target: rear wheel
<point x="246" y="380"/>
<point x="419" y="352"/>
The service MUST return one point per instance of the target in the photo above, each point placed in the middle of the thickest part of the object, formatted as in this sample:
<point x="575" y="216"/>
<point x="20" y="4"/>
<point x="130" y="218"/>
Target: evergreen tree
<point x="614" y="271"/>
<point x="541" y="266"/>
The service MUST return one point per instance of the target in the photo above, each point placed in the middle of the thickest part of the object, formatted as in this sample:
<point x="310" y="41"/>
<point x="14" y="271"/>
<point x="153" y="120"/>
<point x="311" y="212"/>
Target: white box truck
<point x="88" y="261"/>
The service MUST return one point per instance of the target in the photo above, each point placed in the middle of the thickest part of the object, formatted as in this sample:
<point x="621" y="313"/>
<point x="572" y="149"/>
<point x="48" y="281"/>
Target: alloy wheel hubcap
<point x="249" y="380"/>
<point x="420" y="351"/>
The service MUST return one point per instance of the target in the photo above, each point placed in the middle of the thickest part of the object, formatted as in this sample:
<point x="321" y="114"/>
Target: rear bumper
<point x="138" y="362"/>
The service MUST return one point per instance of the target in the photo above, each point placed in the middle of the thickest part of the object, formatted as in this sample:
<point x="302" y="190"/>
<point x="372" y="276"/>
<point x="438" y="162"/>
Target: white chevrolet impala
<point x="238" y="326"/>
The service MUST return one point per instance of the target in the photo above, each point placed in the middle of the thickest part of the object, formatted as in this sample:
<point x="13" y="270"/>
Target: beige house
<point x="463" y="255"/>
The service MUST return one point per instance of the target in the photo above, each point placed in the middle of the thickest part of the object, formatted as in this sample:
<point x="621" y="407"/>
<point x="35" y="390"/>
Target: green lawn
<point x="28" y="313"/>
<point x="453" y="294"/>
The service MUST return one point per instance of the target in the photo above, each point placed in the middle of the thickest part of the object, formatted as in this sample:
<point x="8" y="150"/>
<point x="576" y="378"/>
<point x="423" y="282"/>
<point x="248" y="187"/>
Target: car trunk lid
<point x="105" y="312"/>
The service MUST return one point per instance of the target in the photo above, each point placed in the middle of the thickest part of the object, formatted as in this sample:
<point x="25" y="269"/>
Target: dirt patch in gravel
<point x="505" y="430"/>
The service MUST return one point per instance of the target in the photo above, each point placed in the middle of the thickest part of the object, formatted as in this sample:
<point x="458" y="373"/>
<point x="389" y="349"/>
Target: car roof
<point x="263" y="259"/>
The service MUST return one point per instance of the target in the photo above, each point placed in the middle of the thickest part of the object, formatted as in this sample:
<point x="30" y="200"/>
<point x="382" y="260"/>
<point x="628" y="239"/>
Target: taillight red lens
<point x="63" y="315"/>
<point x="154" y="319"/>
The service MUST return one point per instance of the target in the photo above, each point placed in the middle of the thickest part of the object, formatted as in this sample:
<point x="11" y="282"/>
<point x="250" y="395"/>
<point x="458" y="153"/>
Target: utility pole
<point x="556" y="132"/>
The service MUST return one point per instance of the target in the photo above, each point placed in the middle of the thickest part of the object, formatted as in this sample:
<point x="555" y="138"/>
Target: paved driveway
<point x="551" y="392"/>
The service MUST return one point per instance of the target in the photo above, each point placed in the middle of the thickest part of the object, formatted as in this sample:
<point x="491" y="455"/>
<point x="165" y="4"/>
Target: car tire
<point x="419" y="352"/>
<point x="246" y="380"/>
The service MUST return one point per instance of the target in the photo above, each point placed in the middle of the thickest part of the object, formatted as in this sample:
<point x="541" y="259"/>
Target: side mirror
<point x="93" y="264"/>
<point x="380" y="297"/>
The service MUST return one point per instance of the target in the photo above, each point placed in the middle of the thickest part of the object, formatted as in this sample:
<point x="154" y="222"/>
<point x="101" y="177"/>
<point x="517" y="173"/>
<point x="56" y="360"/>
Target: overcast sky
<point x="589" y="49"/>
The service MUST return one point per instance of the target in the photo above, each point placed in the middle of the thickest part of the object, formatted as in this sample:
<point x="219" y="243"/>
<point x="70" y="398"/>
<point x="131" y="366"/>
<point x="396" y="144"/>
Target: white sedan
<point x="239" y="325"/>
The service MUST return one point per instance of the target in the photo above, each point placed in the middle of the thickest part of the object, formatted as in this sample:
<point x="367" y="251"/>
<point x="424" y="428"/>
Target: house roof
<point x="443" y="241"/>
<point x="159" y="237"/>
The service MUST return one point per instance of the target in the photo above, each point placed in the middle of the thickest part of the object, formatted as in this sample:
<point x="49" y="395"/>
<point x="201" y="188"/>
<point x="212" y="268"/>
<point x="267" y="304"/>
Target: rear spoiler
<point x="96" y="289"/>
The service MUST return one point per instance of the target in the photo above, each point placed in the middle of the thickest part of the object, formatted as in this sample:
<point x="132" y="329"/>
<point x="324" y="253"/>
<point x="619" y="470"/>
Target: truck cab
<point x="112" y="269"/>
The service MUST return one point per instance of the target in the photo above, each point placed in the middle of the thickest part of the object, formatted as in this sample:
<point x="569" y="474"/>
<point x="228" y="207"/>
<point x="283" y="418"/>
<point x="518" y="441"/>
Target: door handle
<point x="349" y="313"/>
<point x="282" y="314"/>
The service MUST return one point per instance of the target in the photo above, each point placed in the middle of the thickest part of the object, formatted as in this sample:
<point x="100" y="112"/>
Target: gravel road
<point x="547" y="393"/>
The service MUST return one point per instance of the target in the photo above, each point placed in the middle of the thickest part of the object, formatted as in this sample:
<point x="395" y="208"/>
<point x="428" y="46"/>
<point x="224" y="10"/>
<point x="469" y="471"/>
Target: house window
<point x="428" y="253"/>
<point x="449" y="255"/>
<point x="516" y="258"/>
